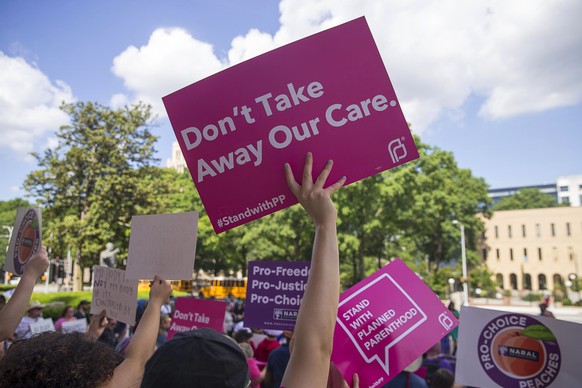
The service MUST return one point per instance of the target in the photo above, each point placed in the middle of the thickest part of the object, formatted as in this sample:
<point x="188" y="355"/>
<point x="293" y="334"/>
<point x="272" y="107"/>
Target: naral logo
<point x="397" y="150"/>
<point x="285" y="315"/>
<point x="519" y="351"/>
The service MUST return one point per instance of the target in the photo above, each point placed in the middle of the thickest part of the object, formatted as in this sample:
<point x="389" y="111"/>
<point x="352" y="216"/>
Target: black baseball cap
<point x="197" y="358"/>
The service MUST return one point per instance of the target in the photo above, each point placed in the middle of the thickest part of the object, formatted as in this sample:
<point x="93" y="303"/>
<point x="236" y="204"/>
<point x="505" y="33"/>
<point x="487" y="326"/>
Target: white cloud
<point x="171" y="59"/>
<point x="29" y="105"/>
<point x="521" y="56"/>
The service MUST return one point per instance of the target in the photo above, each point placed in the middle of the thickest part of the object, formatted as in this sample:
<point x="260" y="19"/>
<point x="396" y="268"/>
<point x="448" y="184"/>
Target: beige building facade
<point x="534" y="249"/>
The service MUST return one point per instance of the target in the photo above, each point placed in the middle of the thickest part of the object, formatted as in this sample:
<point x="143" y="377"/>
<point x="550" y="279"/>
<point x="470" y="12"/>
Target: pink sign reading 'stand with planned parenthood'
<point x="191" y="314"/>
<point x="328" y="93"/>
<point x="385" y="322"/>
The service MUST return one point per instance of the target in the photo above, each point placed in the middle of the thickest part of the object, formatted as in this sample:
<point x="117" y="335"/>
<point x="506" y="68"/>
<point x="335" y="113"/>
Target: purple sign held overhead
<point x="274" y="293"/>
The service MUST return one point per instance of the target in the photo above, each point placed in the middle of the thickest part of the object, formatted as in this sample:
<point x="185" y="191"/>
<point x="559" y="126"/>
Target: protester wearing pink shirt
<point x="67" y="315"/>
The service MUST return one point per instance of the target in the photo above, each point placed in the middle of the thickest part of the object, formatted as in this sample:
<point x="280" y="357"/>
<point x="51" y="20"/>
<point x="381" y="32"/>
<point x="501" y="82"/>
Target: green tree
<point x="526" y="199"/>
<point x="7" y="216"/>
<point x="99" y="175"/>
<point x="482" y="278"/>
<point x="436" y="192"/>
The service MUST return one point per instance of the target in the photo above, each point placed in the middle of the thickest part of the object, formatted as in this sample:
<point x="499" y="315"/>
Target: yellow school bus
<point x="177" y="285"/>
<point x="219" y="287"/>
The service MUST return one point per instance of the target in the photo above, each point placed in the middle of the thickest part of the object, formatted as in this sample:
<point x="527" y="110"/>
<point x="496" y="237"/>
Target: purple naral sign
<point x="191" y="314"/>
<point x="274" y="293"/>
<point x="328" y="93"/>
<point x="385" y="322"/>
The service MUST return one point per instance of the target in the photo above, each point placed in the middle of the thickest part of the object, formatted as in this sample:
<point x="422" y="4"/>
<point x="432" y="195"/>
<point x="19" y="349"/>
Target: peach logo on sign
<point x="518" y="350"/>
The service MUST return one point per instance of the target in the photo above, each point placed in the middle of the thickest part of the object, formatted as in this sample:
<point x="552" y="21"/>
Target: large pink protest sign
<point x="328" y="93"/>
<point x="385" y="322"/>
<point x="191" y="314"/>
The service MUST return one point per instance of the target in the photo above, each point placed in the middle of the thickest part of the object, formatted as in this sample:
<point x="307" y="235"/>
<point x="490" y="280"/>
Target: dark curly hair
<point x="58" y="360"/>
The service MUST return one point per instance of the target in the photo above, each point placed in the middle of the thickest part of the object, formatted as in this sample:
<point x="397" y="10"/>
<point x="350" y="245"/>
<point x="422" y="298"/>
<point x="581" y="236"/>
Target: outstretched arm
<point x="309" y="362"/>
<point x="130" y="372"/>
<point x="12" y="313"/>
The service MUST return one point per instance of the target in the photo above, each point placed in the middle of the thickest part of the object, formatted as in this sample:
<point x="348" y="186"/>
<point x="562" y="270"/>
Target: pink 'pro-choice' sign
<point x="191" y="314"/>
<point x="328" y="93"/>
<point x="385" y="322"/>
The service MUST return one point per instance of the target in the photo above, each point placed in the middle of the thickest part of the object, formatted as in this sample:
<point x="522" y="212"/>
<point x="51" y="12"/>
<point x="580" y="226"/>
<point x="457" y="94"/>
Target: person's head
<point x="244" y="334"/>
<point x="247" y="349"/>
<point x="68" y="312"/>
<point x="451" y="306"/>
<point x="198" y="358"/>
<point x="83" y="306"/>
<point x="442" y="378"/>
<point x="272" y="334"/>
<point x="165" y="322"/>
<point x="58" y="360"/>
<point x="35" y="309"/>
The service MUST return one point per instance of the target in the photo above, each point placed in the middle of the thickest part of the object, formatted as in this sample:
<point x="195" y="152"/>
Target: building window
<point x="496" y="232"/>
<point x="525" y="254"/>
<point x="484" y="253"/>
<point x="555" y="253"/>
<point x="513" y="281"/>
<point x="553" y="227"/>
<point x="499" y="279"/>
<point x="568" y="232"/>
<point x="563" y="189"/>
<point x="511" y="254"/>
<point x="523" y="231"/>
<point x="497" y="253"/>
<point x="538" y="230"/>
<point x="509" y="231"/>
<point x="540" y="254"/>
<point x="542" y="281"/>
<point x="570" y="253"/>
<point x="557" y="281"/>
<point x="565" y="200"/>
<point x="527" y="281"/>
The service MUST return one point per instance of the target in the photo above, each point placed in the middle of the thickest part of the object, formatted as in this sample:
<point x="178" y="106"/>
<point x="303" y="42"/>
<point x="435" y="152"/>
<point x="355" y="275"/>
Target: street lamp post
<point x="464" y="262"/>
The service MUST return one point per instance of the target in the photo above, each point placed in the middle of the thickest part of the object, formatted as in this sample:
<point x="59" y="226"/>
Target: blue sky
<point x="496" y="83"/>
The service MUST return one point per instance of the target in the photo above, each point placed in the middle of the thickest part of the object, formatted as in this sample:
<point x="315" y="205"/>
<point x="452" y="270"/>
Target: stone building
<point x="534" y="249"/>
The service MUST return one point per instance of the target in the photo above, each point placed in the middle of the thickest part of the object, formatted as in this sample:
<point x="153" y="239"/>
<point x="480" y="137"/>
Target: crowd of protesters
<point x="112" y="354"/>
<point x="105" y="356"/>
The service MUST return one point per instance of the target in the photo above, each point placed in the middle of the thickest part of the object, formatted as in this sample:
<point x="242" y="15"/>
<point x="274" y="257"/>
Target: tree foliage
<point x="526" y="199"/>
<point x="100" y="174"/>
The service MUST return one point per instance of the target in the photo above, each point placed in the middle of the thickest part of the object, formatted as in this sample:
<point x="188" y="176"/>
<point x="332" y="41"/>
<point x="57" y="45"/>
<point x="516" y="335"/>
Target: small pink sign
<point x="191" y="314"/>
<point x="385" y="322"/>
<point x="328" y="93"/>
